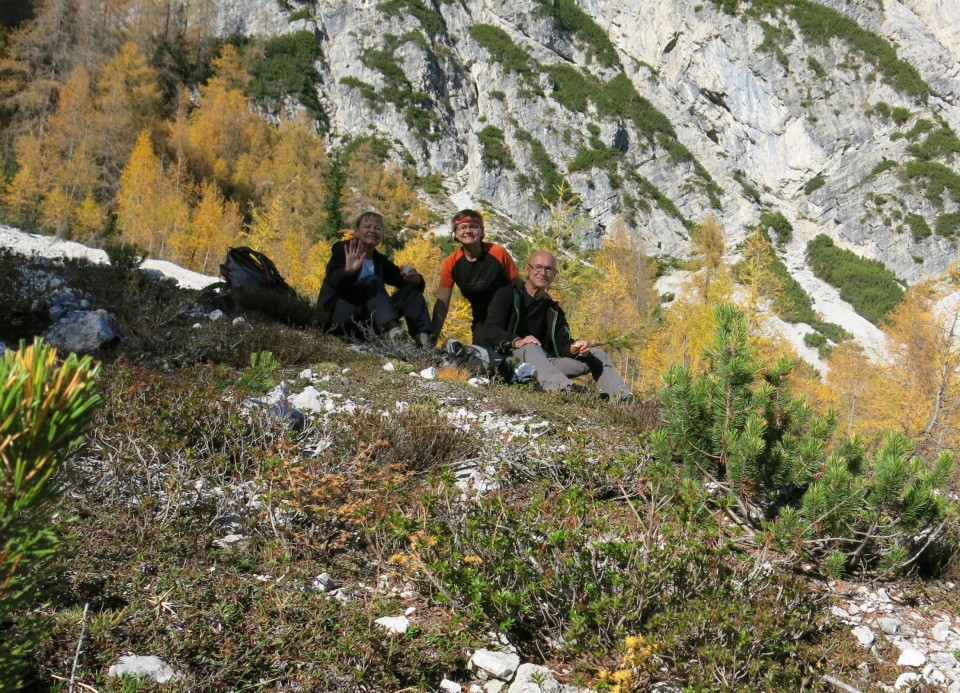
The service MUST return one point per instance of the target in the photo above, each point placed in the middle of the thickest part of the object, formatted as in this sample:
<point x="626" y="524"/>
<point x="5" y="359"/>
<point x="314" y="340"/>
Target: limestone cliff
<point x="842" y="115"/>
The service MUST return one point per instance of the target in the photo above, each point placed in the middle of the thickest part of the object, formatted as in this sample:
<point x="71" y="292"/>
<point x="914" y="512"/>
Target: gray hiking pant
<point x="380" y="308"/>
<point x="554" y="374"/>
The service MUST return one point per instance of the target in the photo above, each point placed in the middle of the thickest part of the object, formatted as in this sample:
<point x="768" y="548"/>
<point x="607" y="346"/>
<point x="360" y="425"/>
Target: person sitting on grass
<point x="354" y="295"/>
<point x="477" y="268"/>
<point x="525" y="323"/>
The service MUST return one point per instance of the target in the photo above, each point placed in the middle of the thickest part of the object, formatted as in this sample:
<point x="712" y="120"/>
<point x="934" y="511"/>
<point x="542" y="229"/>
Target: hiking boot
<point x="454" y="347"/>
<point x="523" y="372"/>
<point x="424" y="340"/>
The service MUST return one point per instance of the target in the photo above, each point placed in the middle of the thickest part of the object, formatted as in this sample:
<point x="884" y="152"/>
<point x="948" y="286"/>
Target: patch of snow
<point x="23" y="243"/>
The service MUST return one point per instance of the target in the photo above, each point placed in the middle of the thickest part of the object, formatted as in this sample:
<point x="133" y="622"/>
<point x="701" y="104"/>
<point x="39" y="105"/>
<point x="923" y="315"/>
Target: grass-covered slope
<point x="203" y="519"/>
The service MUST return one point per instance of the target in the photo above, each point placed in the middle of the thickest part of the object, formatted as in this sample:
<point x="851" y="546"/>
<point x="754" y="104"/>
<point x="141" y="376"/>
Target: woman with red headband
<point x="478" y="269"/>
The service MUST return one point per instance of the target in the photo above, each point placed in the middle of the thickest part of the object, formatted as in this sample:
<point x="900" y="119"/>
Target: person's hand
<point x="581" y="347"/>
<point x="354" y="255"/>
<point x="410" y="274"/>
<point x="523" y="341"/>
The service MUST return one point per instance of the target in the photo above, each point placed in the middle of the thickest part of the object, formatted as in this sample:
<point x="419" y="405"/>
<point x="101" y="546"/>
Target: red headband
<point x="463" y="221"/>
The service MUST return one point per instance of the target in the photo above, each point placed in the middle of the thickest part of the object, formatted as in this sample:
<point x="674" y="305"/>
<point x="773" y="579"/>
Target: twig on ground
<point x="837" y="683"/>
<point x="76" y="655"/>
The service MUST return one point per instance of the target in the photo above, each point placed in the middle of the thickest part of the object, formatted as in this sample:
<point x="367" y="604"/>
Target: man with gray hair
<point x="527" y="324"/>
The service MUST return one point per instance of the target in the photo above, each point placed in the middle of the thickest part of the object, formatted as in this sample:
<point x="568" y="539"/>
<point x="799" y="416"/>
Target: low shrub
<point x="919" y="228"/>
<point x="815" y="183"/>
<point x="502" y="48"/>
<point x="867" y="285"/>
<point x="44" y="411"/>
<point x="496" y="153"/>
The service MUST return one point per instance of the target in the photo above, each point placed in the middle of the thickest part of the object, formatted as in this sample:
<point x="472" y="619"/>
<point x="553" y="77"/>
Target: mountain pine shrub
<point x="738" y="426"/>
<point x="880" y="514"/>
<point x="867" y="285"/>
<point x="44" y="409"/>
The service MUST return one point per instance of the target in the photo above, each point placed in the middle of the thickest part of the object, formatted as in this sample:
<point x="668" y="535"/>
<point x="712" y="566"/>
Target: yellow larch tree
<point x="921" y="392"/>
<point x="87" y="219"/>
<point x="224" y="138"/>
<point x="756" y="273"/>
<point x="688" y="324"/>
<point x="150" y="205"/>
<point x="424" y="253"/>
<point x="127" y="99"/>
<point x="373" y="184"/>
<point x="293" y="173"/>
<point x="711" y="275"/>
<point x="849" y="385"/>
<point x="22" y="196"/>
<point x="214" y="226"/>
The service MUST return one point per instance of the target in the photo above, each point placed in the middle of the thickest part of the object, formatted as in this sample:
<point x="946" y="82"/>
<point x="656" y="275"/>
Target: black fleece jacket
<point x="339" y="285"/>
<point x="513" y="314"/>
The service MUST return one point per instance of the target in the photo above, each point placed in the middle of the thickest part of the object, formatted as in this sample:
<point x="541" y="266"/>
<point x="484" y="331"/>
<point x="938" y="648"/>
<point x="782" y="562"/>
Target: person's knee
<point x="528" y="351"/>
<point x="372" y="285"/>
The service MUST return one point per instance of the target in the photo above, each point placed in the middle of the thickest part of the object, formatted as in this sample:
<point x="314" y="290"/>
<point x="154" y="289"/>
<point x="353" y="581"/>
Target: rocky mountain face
<point x="842" y="116"/>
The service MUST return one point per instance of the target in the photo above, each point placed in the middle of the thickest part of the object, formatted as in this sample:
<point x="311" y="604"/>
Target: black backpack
<point x="247" y="268"/>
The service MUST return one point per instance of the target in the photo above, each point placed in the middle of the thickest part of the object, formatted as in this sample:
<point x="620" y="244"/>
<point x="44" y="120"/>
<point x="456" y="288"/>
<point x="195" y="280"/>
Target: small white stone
<point x="429" y="373"/>
<point x="448" y="686"/>
<point x="344" y="371"/>
<point x="532" y="678"/>
<point x="389" y="367"/>
<point x="941" y="631"/>
<point x="394" y="624"/>
<point x="839" y="613"/>
<point x="933" y="675"/>
<point x="499" y="665"/>
<point x="911" y="657"/>
<point x="890" y="626"/>
<point x="237" y="321"/>
<point x="864" y="635"/>
<point x="494" y="686"/>
<point x="229" y="540"/>
<point x="944" y="660"/>
<point x="323" y="583"/>
<point x="410" y="611"/>
<point x="306" y="374"/>
<point x="217" y="315"/>
<point x="139" y="666"/>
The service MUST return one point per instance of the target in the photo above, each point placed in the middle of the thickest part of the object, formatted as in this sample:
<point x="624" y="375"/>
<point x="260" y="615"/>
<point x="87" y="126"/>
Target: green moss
<point x="948" y="225"/>
<point x="569" y="18"/>
<point x="430" y="19"/>
<point x="821" y="25"/>
<point x="933" y="179"/>
<point x="940" y="143"/>
<point x="780" y="225"/>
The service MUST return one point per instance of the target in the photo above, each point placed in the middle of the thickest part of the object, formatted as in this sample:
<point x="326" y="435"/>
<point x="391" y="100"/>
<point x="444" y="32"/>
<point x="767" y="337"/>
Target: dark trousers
<point x="380" y="308"/>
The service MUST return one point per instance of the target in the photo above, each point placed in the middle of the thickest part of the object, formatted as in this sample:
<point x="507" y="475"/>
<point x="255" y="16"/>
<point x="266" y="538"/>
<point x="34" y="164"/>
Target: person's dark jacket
<point x="339" y="285"/>
<point x="507" y="322"/>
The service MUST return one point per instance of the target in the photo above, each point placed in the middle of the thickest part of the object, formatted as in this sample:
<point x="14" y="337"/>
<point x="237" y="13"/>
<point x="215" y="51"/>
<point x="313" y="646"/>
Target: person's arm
<point x="441" y="308"/>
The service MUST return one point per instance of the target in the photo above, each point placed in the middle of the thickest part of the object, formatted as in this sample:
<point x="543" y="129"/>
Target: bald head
<point x="541" y="271"/>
